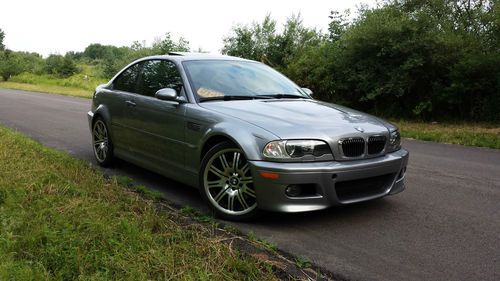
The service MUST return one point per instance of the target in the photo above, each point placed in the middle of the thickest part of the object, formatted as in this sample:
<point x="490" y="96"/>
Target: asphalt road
<point x="445" y="226"/>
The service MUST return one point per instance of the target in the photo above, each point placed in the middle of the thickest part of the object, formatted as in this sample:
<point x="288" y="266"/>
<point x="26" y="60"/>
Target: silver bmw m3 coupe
<point x="244" y="134"/>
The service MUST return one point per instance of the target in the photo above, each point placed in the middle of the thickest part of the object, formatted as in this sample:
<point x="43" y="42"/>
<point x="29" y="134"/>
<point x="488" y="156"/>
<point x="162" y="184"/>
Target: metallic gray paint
<point x="167" y="137"/>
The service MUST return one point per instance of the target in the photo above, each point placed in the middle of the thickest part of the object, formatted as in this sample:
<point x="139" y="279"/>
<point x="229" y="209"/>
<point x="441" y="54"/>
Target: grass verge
<point x="470" y="134"/>
<point x="53" y="89"/>
<point x="79" y="85"/>
<point x="61" y="219"/>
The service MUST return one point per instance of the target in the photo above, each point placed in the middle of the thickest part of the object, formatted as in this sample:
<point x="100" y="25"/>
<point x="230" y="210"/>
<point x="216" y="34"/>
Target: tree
<point x="251" y="42"/>
<point x="60" y="66"/>
<point x="10" y="64"/>
<point x="263" y="42"/>
<point x="430" y="59"/>
<point x="2" y="36"/>
<point x="167" y="44"/>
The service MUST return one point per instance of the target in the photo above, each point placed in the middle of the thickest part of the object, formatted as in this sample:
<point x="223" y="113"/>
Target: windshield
<point x="222" y="80"/>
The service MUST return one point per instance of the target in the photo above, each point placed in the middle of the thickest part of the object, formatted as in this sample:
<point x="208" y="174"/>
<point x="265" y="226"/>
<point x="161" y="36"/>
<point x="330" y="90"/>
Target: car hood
<point x="300" y="118"/>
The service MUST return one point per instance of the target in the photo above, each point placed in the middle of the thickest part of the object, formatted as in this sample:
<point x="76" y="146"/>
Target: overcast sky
<point x="58" y="26"/>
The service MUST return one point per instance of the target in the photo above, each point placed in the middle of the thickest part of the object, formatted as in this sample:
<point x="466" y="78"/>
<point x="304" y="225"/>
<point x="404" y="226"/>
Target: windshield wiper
<point x="226" y="98"/>
<point x="284" y="96"/>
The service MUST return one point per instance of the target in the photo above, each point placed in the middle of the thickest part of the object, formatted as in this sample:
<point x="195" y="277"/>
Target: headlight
<point x="395" y="141"/>
<point x="288" y="149"/>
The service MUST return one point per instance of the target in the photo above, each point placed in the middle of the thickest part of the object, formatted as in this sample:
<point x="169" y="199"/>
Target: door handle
<point x="130" y="103"/>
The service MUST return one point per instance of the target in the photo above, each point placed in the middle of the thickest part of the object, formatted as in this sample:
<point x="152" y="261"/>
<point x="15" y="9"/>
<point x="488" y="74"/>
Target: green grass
<point x="53" y="89"/>
<point x="302" y="262"/>
<point x="470" y="134"/>
<point x="63" y="220"/>
<point x="79" y="85"/>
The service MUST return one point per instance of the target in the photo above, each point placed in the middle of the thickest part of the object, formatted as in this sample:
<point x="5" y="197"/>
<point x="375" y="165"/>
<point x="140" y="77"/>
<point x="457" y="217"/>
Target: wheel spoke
<point x="98" y="129"/>
<point x="250" y="192"/>
<point x="221" y="194"/>
<point x="236" y="159"/>
<point x="230" y="202"/>
<point x="102" y="130"/>
<point x="242" y="200"/>
<point x="223" y="161"/>
<point x="212" y="184"/>
<point x="97" y="135"/>
<point x="217" y="172"/>
<point x="246" y="180"/>
<point x="245" y="169"/>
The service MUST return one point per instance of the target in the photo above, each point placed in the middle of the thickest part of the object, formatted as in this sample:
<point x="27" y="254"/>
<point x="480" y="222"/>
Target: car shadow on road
<point x="340" y="214"/>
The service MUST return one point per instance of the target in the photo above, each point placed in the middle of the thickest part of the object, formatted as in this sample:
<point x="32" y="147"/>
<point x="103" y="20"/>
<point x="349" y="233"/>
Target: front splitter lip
<point x="270" y="192"/>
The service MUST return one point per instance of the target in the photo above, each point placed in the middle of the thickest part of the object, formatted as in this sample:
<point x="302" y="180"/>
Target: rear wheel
<point x="226" y="183"/>
<point x="103" y="148"/>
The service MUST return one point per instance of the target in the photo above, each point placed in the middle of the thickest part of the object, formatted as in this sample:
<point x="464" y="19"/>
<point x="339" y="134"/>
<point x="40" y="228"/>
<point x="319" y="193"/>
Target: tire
<point x="228" y="187"/>
<point x="101" y="143"/>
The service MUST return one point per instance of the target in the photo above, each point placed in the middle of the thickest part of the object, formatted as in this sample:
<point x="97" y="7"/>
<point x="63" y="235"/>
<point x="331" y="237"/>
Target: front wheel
<point x="226" y="183"/>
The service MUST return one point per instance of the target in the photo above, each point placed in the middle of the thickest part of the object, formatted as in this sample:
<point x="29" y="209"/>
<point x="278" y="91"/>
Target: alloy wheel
<point x="100" y="141"/>
<point x="228" y="182"/>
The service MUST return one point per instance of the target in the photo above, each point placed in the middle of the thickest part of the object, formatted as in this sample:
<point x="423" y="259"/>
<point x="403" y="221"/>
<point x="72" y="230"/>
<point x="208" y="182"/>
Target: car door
<point x="119" y="96"/>
<point x="159" y="125"/>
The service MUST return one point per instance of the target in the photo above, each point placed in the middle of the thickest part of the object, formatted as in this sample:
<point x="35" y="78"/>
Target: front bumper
<point x="90" y="116"/>
<point x="334" y="183"/>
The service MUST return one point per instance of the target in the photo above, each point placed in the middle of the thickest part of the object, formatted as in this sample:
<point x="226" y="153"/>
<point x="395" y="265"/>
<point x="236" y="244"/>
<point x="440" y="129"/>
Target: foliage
<point x="111" y="59"/>
<point x="13" y="63"/>
<point x="60" y="66"/>
<point x="2" y="36"/>
<point x="437" y="59"/>
<point x="10" y="64"/>
<point x="263" y="42"/>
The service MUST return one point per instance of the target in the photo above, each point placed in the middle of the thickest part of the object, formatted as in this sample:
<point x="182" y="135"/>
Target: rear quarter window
<point x="127" y="80"/>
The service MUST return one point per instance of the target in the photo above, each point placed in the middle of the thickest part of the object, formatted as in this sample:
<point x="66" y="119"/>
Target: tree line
<point x="433" y="59"/>
<point x="425" y="59"/>
<point x="107" y="59"/>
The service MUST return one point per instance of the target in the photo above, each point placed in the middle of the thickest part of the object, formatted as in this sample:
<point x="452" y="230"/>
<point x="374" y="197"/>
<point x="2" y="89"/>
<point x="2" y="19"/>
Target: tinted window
<point x="156" y="75"/>
<point x="127" y="80"/>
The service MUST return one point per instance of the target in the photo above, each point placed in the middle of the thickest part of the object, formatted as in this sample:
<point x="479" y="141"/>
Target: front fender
<point x="103" y="112"/>
<point x="250" y="140"/>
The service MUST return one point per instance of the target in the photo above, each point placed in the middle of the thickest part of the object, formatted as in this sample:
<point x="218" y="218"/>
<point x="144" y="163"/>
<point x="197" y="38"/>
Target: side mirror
<point x="167" y="94"/>
<point x="307" y="91"/>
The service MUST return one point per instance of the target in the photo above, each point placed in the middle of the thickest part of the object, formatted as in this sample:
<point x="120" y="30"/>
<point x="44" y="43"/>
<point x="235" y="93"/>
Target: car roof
<point x="187" y="56"/>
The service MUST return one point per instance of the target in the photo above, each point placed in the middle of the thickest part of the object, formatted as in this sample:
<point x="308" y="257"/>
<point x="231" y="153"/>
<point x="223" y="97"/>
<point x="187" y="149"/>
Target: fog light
<point x="293" y="190"/>
<point x="402" y="173"/>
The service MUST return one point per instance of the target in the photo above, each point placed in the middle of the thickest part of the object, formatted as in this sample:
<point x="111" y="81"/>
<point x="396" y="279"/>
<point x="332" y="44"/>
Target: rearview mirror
<point x="167" y="94"/>
<point x="307" y="91"/>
